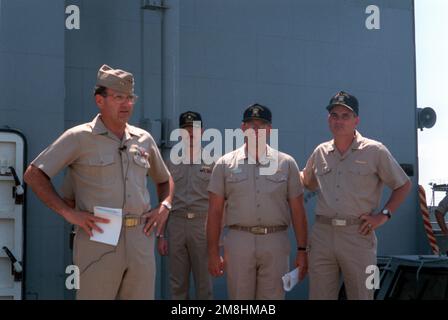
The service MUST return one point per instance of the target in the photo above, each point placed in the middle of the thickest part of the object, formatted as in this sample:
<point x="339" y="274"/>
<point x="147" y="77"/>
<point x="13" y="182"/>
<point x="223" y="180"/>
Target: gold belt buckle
<point x="130" y="222"/>
<point x="259" y="230"/>
<point x="190" y="215"/>
<point x="338" y="222"/>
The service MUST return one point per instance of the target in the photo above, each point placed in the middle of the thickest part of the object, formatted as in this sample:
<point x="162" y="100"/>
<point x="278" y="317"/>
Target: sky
<point x="431" y="33"/>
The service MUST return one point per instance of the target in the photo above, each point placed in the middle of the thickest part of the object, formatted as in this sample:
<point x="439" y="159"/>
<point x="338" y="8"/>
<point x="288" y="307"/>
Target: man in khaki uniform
<point x="350" y="172"/>
<point x="186" y="244"/>
<point x="109" y="162"/>
<point x="441" y="210"/>
<point x="259" y="209"/>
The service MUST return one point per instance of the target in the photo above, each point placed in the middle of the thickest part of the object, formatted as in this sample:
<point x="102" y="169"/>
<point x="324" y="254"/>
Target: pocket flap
<point x="323" y="169"/>
<point x="101" y="160"/>
<point x="361" y="169"/>
<point x="141" y="161"/>
<point x="277" y="177"/>
<point x="236" y="177"/>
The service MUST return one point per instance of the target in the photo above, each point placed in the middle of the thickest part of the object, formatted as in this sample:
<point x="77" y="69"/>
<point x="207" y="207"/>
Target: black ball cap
<point x="186" y="119"/>
<point x="257" y="112"/>
<point x="344" y="99"/>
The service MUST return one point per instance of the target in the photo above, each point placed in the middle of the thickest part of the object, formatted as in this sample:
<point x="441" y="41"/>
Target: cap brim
<point x="256" y="118"/>
<point x="118" y="88"/>
<point x="331" y="106"/>
<point x="185" y="125"/>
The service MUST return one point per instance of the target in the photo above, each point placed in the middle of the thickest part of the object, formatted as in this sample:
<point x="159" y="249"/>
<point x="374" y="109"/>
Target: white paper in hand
<point x="112" y="229"/>
<point x="290" y="279"/>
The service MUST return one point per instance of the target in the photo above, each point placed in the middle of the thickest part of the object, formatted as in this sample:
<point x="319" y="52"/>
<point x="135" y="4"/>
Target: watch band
<point x="386" y="212"/>
<point x="167" y="205"/>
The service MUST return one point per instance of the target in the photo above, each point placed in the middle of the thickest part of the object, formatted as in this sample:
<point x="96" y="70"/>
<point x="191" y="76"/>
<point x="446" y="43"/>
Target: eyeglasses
<point x="120" y="98"/>
<point x="344" y="116"/>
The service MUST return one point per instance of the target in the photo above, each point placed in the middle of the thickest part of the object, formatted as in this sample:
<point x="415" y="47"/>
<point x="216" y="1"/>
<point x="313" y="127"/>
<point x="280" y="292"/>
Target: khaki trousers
<point x="255" y="264"/>
<point x="187" y="251"/>
<point x="336" y="250"/>
<point x="126" y="271"/>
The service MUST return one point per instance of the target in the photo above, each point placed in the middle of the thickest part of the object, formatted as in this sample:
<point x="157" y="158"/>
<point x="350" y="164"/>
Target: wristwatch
<point x="306" y="248"/>
<point x="386" y="212"/>
<point x="167" y="205"/>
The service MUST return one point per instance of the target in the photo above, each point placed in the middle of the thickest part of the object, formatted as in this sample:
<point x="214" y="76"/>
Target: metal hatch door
<point x="12" y="157"/>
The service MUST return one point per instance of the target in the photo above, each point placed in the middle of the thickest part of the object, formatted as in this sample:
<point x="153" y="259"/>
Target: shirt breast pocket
<point x="323" y="170"/>
<point x="141" y="161"/>
<point x="139" y="170"/>
<point x="176" y="172"/>
<point x="323" y="173"/>
<point x="98" y="169"/>
<point x="362" y="177"/>
<point x="236" y="184"/>
<point x="204" y="176"/>
<point x="276" y="183"/>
